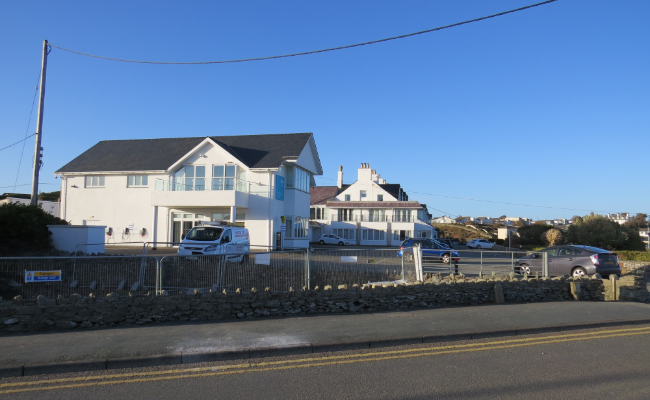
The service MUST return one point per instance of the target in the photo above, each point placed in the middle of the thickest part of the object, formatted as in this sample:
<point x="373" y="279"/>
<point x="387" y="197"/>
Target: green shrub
<point x="633" y="255"/>
<point x="24" y="229"/>
<point x="531" y="235"/>
<point x="599" y="231"/>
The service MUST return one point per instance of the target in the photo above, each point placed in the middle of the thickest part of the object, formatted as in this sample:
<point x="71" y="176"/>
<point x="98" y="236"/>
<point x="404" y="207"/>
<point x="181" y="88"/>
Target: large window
<point x="297" y="227"/>
<point x="298" y="178"/>
<point x="373" y="234"/>
<point x="95" y="181"/>
<point x="317" y="213"/>
<point x="229" y="177"/>
<point x="190" y="177"/>
<point x="136" y="180"/>
<point x="345" y="233"/>
<point x="226" y="217"/>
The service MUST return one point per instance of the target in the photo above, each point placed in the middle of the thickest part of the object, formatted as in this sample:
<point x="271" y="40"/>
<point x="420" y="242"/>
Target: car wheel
<point x="578" y="272"/>
<point x="321" y="242"/>
<point x="446" y="258"/>
<point x="341" y="243"/>
<point x="524" y="269"/>
<point x="478" y="246"/>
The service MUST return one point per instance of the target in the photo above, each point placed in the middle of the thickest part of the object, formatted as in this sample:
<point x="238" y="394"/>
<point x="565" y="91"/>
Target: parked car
<point x="447" y="242"/>
<point x="574" y="260"/>
<point x="430" y="250"/>
<point x="480" y="244"/>
<point x="332" y="239"/>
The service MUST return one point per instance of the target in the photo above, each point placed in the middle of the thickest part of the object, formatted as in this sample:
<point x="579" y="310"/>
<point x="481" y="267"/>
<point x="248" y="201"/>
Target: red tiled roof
<point x="321" y="194"/>
<point x="373" y="204"/>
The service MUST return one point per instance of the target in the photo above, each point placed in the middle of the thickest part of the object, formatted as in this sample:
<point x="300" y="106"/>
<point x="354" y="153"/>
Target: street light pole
<point x="38" y="150"/>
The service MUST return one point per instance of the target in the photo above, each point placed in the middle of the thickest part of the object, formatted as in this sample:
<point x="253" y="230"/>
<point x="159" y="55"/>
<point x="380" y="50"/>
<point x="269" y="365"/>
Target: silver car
<point x="574" y="260"/>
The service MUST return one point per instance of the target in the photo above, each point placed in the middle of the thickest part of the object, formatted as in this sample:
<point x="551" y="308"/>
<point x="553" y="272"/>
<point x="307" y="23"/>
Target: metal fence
<point x="349" y="267"/>
<point x="83" y="275"/>
<point x="276" y="270"/>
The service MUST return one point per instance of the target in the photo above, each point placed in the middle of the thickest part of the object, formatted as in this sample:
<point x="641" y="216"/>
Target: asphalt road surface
<point x="608" y="363"/>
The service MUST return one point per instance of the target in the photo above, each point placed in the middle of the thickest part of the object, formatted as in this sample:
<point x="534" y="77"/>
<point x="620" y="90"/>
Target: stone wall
<point x="84" y="312"/>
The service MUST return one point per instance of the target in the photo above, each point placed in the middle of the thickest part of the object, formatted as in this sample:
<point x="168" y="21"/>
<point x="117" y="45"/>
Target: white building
<point x="50" y="207"/>
<point x="156" y="190"/>
<point x="368" y="212"/>
<point x="443" y="220"/>
<point x="621" y="218"/>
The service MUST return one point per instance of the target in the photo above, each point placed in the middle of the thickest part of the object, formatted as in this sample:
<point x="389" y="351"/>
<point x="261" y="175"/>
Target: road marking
<point x="324" y="361"/>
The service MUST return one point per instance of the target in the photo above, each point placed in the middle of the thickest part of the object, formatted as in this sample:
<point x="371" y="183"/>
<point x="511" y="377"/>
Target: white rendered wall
<point x="76" y="237"/>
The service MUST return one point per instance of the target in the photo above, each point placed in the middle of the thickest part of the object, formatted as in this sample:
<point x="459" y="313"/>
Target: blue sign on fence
<point x="279" y="187"/>
<point x="42" y="276"/>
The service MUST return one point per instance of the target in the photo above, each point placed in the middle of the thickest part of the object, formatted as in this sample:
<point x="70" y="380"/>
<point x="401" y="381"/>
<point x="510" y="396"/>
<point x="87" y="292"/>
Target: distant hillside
<point x="466" y="232"/>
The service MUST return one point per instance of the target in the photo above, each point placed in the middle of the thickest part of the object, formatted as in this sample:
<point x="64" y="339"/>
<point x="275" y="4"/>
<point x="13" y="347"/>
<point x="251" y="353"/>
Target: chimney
<point x="339" y="181"/>
<point x="364" y="173"/>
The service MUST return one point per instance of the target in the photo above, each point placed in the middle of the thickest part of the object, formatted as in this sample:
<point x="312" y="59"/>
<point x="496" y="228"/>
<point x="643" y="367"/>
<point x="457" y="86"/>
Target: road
<point x="592" y="364"/>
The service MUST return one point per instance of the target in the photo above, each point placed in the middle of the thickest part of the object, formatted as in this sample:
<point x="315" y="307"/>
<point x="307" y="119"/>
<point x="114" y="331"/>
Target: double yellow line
<point x="113" y="379"/>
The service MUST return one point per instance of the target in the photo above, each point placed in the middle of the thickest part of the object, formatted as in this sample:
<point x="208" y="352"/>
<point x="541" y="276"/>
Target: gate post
<point x="307" y="268"/>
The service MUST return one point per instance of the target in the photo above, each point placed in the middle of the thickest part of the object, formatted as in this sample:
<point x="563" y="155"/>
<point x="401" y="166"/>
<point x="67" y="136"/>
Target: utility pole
<point x="39" y="128"/>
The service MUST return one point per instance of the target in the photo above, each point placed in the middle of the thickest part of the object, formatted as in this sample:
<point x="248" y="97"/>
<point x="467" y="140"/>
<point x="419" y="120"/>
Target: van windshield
<point x="204" y="234"/>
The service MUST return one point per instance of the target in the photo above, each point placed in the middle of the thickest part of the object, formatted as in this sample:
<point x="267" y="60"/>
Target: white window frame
<point x="180" y="182"/>
<point x="374" y="235"/>
<point x="94" y="181"/>
<point x="298" y="178"/>
<point x="297" y="227"/>
<point x="363" y="195"/>
<point x="137" y="181"/>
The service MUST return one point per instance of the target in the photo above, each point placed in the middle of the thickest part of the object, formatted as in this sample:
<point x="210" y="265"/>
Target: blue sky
<point x="549" y="106"/>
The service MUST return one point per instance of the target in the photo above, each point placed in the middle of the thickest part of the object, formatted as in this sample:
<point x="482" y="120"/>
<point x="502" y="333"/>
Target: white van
<point x="216" y="238"/>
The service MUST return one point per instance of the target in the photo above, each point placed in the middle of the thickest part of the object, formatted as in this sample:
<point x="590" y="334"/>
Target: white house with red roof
<point x="369" y="211"/>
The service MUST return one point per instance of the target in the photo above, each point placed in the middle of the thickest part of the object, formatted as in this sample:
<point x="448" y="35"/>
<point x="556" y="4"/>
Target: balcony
<point x="374" y="218"/>
<point x="195" y="193"/>
<point x="345" y="218"/>
<point x="403" y="218"/>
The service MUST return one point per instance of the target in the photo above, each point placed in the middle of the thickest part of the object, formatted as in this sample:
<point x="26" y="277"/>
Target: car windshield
<point x="204" y="234"/>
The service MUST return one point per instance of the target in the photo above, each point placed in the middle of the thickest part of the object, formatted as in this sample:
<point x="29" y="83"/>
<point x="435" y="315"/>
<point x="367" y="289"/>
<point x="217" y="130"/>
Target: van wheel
<point x="321" y="242"/>
<point x="244" y="259"/>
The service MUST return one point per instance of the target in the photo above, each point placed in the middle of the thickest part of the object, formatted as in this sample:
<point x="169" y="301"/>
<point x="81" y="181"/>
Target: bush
<point x="599" y="231"/>
<point x="553" y="236"/>
<point x="531" y="235"/>
<point x="24" y="229"/>
<point x="633" y="255"/>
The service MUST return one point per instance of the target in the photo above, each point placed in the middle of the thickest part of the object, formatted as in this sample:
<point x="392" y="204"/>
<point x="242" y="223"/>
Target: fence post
<point x="158" y="291"/>
<point x="307" y="269"/>
<point x="403" y="251"/>
<point x="545" y="264"/>
<point x="512" y="261"/>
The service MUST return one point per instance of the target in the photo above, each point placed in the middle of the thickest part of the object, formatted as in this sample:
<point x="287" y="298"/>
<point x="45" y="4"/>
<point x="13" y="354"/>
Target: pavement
<point x="169" y="344"/>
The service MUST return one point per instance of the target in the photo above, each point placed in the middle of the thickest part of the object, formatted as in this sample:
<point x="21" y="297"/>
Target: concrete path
<point x="165" y="344"/>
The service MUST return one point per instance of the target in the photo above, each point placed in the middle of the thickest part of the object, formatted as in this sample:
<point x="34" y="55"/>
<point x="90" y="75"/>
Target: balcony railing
<point x="201" y="184"/>
<point x="403" y="218"/>
<point x="374" y="218"/>
<point x="345" y="218"/>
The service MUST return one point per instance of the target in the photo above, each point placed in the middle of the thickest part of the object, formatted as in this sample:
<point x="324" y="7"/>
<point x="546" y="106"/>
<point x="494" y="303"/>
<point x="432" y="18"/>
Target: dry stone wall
<point x="18" y="315"/>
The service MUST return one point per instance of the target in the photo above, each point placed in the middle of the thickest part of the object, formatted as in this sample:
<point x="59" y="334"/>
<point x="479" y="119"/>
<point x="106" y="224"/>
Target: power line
<point x="26" y="184"/>
<point x="4" y="148"/>
<point x="314" y="51"/>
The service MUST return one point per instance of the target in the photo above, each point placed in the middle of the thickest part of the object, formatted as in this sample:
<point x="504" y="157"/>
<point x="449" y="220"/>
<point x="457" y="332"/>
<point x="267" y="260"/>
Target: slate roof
<point x="254" y="151"/>
<point x="374" y="204"/>
<point x="321" y="194"/>
<point x="392" y="188"/>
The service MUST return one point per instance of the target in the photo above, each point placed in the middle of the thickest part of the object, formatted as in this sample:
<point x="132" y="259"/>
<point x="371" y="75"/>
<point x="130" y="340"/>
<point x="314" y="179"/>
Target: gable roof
<point x="254" y="151"/>
<point x="373" y="204"/>
<point x="321" y="194"/>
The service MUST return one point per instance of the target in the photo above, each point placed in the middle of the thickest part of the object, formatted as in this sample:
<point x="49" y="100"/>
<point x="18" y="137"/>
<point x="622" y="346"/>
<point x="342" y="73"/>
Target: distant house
<point x="621" y="218"/>
<point x="50" y="207"/>
<point x="483" y="220"/>
<point x="645" y="236"/>
<point x="443" y="220"/>
<point x="462" y="220"/>
<point x="367" y="212"/>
